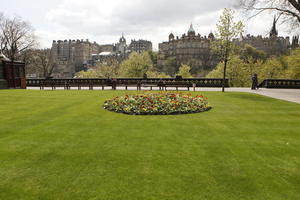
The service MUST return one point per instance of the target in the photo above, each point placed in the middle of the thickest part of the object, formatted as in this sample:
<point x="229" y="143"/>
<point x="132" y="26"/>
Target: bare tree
<point x="287" y="10"/>
<point x="2" y="41"/>
<point x="16" y="36"/>
<point x="47" y="63"/>
<point x="39" y="61"/>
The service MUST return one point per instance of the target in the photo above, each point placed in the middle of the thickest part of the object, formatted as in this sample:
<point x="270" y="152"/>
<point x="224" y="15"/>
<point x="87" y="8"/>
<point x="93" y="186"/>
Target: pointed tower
<point x="274" y="32"/>
<point x="122" y="46"/>
<point x="171" y="37"/>
<point x="122" y="39"/>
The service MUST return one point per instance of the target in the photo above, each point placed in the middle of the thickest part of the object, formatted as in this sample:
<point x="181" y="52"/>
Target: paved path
<point x="292" y="95"/>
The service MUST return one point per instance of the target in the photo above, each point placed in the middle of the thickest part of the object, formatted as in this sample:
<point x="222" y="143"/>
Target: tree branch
<point x="281" y="10"/>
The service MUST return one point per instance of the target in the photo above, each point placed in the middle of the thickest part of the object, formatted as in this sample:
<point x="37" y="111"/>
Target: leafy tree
<point x="153" y="55"/>
<point x="100" y="71"/>
<point x="156" y="74"/>
<point x="136" y="65"/>
<point x="275" y="67"/>
<point x="194" y="65"/>
<point x="251" y="54"/>
<point x="184" y="71"/>
<point x="227" y="30"/>
<point x="91" y="73"/>
<point x="170" y="66"/>
<point x="288" y="10"/>
<point x="240" y="70"/>
<point x="293" y="60"/>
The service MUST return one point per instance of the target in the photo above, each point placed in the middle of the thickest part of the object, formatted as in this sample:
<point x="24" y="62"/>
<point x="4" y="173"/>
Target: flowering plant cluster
<point x="158" y="104"/>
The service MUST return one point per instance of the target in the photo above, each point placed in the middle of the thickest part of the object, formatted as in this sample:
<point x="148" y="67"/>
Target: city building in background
<point x="196" y="51"/>
<point x="72" y="56"/>
<point x="191" y="49"/>
<point x="140" y="46"/>
<point x="271" y="45"/>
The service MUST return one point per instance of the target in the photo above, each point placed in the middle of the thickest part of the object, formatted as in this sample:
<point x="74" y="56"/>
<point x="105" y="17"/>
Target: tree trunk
<point x="224" y="75"/>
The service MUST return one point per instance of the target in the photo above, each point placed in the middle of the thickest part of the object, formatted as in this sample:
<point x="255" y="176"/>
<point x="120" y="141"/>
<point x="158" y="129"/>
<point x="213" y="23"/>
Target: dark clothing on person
<point x="114" y="84"/>
<point x="254" y="82"/>
<point x="139" y="85"/>
<point x="161" y="84"/>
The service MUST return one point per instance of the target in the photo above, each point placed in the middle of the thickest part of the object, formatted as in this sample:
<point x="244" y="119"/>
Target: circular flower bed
<point x="158" y="104"/>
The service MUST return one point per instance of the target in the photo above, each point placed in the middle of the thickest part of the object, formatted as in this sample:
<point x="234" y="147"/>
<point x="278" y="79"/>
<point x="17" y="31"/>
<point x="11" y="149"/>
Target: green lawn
<point x="64" y="145"/>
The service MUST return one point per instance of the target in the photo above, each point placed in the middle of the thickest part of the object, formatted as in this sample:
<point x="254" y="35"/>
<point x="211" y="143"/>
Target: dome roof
<point x="191" y="29"/>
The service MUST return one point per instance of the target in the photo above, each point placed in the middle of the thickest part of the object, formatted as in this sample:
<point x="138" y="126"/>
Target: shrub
<point x="162" y="103"/>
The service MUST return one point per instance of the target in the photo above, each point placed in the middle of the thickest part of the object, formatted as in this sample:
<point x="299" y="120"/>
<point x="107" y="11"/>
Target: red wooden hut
<point x="12" y="74"/>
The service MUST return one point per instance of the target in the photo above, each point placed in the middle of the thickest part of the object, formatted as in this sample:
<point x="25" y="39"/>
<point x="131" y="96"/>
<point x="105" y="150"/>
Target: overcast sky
<point x="104" y="21"/>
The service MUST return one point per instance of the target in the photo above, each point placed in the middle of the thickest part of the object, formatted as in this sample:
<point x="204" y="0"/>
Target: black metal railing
<point x="280" y="83"/>
<point x="127" y="82"/>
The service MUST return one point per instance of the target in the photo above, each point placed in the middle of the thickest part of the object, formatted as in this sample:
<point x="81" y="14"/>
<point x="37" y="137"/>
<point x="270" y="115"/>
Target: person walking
<point x="254" y="81"/>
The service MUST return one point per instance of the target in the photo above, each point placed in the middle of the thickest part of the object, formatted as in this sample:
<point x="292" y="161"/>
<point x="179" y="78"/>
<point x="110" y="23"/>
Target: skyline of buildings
<point x="72" y="56"/>
<point x="195" y="50"/>
<point x="191" y="48"/>
<point x="155" y="46"/>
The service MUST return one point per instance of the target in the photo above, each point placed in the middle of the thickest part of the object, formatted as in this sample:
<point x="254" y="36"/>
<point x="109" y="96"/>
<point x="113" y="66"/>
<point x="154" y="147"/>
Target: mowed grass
<point x="64" y="145"/>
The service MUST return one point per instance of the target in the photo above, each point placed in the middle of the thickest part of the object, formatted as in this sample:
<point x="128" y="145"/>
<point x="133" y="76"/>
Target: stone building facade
<point x="121" y="46"/>
<point x="195" y="50"/>
<point x="140" y="46"/>
<point x="72" y="56"/>
<point x="272" y="45"/>
<point x="120" y="51"/>
<point x="192" y="49"/>
<point x="107" y="48"/>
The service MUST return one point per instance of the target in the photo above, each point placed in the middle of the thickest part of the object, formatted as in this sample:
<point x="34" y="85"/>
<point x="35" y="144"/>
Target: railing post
<point x="162" y="84"/>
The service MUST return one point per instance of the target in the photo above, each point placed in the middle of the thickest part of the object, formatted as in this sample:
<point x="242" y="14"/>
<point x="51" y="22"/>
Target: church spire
<point x="122" y="39"/>
<point x="274" y="32"/>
